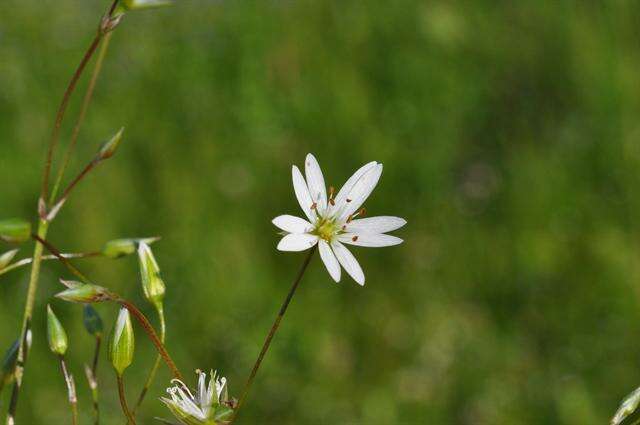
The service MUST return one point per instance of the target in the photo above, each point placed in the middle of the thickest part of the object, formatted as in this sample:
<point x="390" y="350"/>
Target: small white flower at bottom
<point x="333" y="221"/>
<point x="210" y="405"/>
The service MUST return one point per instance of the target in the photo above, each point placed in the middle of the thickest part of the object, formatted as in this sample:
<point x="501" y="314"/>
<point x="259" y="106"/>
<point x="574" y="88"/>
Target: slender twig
<point x="55" y="135"/>
<point x="144" y="322"/>
<point x="67" y="255"/>
<point x="123" y="401"/>
<point x="43" y="227"/>
<point x="156" y="364"/>
<point x="272" y="331"/>
<point x="83" y="112"/>
<point x="71" y="390"/>
<point x="92" y="379"/>
<point x="60" y="257"/>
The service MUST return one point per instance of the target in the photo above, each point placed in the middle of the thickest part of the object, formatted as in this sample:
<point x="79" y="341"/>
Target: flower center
<point x="326" y="229"/>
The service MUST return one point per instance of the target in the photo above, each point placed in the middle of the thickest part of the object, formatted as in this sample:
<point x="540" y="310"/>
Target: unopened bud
<point x="144" y="4"/>
<point x="10" y="357"/>
<point x="85" y="293"/>
<point x="92" y="321"/>
<point x="152" y="283"/>
<point x="5" y="259"/>
<point x="120" y="247"/>
<point x="108" y="149"/>
<point x="15" y="230"/>
<point x="58" y="342"/>
<point x="121" y="343"/>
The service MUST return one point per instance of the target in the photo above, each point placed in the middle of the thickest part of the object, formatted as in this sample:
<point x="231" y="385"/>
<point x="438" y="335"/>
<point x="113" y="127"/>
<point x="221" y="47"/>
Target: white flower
<point x="209" y="405"/>
<point x="332" y="220"/>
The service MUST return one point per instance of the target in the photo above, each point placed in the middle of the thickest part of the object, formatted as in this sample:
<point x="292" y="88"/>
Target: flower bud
<point x="121" y="343"/>
<point x="92" y="321"/>
<point x="15" y="230"/>
<point x="5" y="259"/>
<point x="108" y="149"/>
<point x="628" y="411"/>
<point x="120" y="247"/>
<point x="58" y="341"/>
<point x="85" y="293"/>
<point x="152" y="283"/>
<point x="144" y="4"/>
<point x="10" y="357"/>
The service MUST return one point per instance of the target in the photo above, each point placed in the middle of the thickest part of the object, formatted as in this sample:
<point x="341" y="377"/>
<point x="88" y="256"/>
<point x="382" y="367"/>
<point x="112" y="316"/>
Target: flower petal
<point x="297" y="242"/>
<point x="315" y="182"/>
<point x="302" y="193"/>
<point x="292" y="224"/>
<point x="346" y="188"/>
<point x="348" y="261"/>
<point x="382" y="224"/>
<point x="329" y="259"/>
<point x="372" y="240"/>
<point x="360" y="191"/>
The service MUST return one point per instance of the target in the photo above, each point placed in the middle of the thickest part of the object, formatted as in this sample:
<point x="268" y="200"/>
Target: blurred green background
<point x="509" y="134"/>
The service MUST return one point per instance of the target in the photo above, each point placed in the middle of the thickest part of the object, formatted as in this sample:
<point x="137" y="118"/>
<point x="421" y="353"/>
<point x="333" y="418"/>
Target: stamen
<point x="332" y="202"/>
<point x="344" y="227"/>
<point x="355" y="238"/>
<point x="349" y="218"/>
<point x="314" y="205"/>
<point x="348" y="200"/>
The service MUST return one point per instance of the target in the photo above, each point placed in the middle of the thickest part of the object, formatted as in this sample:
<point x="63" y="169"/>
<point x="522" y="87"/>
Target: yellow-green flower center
<point x="326" y="229"/>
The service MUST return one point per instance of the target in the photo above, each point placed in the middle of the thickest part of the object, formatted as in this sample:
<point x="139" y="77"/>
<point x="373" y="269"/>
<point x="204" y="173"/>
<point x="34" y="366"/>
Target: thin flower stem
<point x="156" y="364"/>
<point x="83" y="112"/>
<point x="71" y="391"/>
<point x="60" y="257"/>
<point x="55" y="135"/>
<point x="144" y="322"/>
<point x="43" y="227"/>
<point x="123" y="401"/>
<point x="272" y="331"/>
<point x="92" y="379"/>
<point x="67" y="255"/>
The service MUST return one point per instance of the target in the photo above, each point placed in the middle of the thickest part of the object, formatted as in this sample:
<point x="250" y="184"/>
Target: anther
<point x="314" y="205"/>
<point x="349" y="218"/>
<point x="332" y="202"/>
<point x="348" y="200"/>
<point x="355" y="238"/>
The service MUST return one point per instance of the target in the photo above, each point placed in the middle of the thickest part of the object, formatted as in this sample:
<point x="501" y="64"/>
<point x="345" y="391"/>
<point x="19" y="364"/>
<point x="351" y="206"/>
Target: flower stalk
<point x="272" y="331"/>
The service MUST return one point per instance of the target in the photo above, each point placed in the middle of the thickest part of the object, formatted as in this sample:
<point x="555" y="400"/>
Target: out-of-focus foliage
<point x="511" y="142"/>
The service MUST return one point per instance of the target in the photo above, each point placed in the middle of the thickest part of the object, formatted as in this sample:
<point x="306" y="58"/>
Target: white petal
<point x="382" y="224"/>
<point x="297" y="242"/>
<point x="330" y="261"/>
<point x="346" y="188"/>
<point x="348" y="261"/>
<point x="315" y="182"/>
<point x="360" y="191"/>
<point x="369" y="239"/>
<point x="292" y="224"/>
<point x="302" y="193"/>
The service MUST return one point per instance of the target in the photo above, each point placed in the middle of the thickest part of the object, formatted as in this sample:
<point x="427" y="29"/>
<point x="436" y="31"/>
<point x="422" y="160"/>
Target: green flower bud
<point x="5" y="259"/>
<point x="108" y="149"/>
<point x="152" y="283"/>
<point x="10" y="357"/>
<point x="85" y="293"/>
<point x="144" y="4"/>
<point x="628" y="411"/>
<point x="15" y="230"/>
<point x="120" y="247"/>
<point x="58" y="342"/>
<point x="92" y="321"/>
<point x="121" y="343"/>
